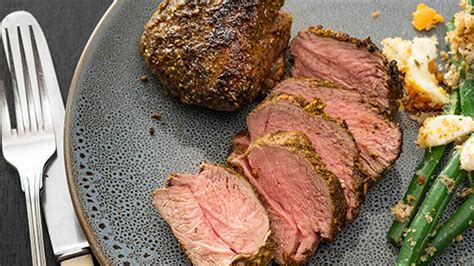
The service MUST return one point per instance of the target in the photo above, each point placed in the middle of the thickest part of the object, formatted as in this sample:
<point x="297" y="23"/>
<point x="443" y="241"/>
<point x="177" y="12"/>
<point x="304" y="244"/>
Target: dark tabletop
<point x="67" y="25"/>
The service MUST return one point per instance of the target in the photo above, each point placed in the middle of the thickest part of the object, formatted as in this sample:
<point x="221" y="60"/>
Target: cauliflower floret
<point x="444" y="129"/>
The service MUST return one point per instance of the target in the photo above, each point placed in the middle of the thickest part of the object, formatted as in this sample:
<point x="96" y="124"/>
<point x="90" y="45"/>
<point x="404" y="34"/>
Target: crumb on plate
<point x="156" y="116"/>
<point x="144" y="78"/>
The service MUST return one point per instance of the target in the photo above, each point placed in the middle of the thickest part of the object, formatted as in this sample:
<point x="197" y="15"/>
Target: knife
<point x="67" y="238"/>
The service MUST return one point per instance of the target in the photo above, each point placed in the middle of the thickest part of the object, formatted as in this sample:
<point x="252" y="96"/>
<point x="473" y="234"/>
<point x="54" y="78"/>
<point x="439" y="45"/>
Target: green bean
<point x="430" y="211"/>
<point x="459" y="221"/>
<point x="420" y="181"/>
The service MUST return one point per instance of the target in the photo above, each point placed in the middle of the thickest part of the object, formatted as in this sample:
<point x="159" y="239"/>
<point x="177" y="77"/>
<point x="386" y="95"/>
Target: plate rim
<point x="71" y="175"/>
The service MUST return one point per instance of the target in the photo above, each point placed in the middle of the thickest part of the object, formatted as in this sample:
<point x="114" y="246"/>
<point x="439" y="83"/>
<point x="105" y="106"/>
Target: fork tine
<point x="34" y="104"/>
<point x="47" y="119"/>
<point x="15" y="66"/>
<point x="6" y="126"/>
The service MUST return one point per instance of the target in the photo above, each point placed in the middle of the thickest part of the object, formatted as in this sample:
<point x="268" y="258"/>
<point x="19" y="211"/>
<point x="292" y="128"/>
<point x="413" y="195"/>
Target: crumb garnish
<point x="428" y="218"/>
<point x="448" y="182"/>
<point x="430" y="250"/>
<point x="401" y="211"/>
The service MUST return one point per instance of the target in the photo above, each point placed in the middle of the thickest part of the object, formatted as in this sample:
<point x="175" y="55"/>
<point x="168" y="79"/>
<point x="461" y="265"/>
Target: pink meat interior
<point x="341" y="62"/>
<point x="332" y="143"/>
<point x="296" y="199"/>
<point x="215" y="215"/>
<point x="377" y="139"/>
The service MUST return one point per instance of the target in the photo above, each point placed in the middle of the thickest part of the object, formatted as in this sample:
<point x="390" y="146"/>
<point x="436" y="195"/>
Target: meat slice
<point x="216" y="217"/>
<point x="304" y="200"/>
<point x="378" y="139"/>
<point x="356" y="64"/>
<point x="333" y="143"/>
<point x="217" y="54"/>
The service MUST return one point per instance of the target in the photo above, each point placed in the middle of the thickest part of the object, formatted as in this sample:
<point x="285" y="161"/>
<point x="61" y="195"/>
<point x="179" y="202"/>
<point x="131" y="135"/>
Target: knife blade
<point x="66" y="235"/>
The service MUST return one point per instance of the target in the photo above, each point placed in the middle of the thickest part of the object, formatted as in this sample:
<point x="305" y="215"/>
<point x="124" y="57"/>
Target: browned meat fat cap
<point x="216" y="217"/>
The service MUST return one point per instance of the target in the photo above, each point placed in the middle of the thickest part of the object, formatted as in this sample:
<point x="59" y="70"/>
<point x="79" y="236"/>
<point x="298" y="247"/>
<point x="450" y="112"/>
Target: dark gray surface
<point x="117" y="164"/>
<point x="67" y="25"/>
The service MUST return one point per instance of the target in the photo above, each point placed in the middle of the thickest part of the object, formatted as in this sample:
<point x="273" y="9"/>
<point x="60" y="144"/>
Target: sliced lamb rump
<point x="378" y="139"/>
<point x="304" y="200"/>
<point x="216" y="217"/>
<point x="357" y="64"/>
<point x="333" y="143"/>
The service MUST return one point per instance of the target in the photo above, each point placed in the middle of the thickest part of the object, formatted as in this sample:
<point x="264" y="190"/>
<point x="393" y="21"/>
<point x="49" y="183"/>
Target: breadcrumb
<point x="444" y="55"/>
<point x="448" y="183"/>
<point x="430" y="250"/>
<point x="401" y="211"/>
<point x="451" y="78"/>
<point x="461" y="39"/>
<point x="466" y="192"/>
<point x="375" y="14"/>
<point x="428" y="218"/>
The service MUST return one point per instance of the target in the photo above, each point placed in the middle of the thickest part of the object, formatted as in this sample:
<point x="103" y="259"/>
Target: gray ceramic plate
<point x="114" y="164"/>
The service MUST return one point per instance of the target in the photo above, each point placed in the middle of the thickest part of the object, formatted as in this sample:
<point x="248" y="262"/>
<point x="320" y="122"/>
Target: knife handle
<point x="83" y="260"/>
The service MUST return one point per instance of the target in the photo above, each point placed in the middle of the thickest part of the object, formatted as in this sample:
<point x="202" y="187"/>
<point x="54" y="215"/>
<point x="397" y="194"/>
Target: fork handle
<point x="31" y="184"/>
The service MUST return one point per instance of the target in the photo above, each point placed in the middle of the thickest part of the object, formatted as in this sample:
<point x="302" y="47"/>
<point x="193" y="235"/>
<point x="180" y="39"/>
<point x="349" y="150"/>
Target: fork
<point x="30" y="145"/>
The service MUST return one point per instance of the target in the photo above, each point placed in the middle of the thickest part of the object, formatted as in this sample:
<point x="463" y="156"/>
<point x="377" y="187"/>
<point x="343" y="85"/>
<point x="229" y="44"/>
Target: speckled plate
<point x="114" y="163"/>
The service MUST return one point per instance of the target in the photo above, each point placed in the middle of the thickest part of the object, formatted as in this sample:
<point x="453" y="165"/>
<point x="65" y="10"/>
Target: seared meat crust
<point x="216" y="54"/>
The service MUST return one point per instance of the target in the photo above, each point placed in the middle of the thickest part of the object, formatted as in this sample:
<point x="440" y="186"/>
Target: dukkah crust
<point x="215" y="53"/>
